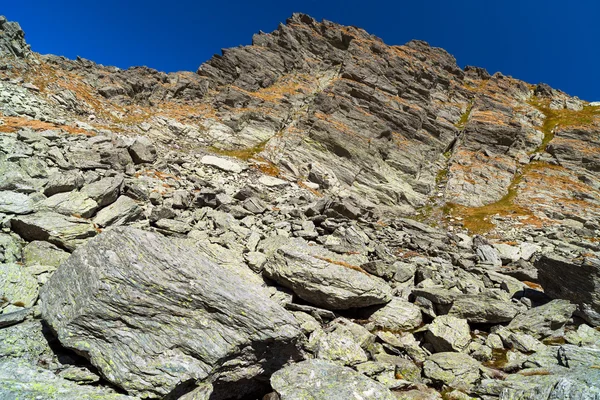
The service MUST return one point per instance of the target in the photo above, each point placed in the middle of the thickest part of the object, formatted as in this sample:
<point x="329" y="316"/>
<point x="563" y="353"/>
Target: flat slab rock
<point x="316" y="276"/>
<point x="152" y="313"/>
<point x="317" y="379"/>
<point x="65" y="232"/>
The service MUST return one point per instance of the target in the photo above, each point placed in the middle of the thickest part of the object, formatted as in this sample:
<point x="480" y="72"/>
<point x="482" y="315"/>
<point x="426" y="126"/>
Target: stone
<point x="483" y="309"/>
<point x="122" y="211"/>
<point x="12" y="318"/>
<point x="14" y="178"/>
<point x="64" y="182"/>
<point x="154" y="304"/>
<point x="317" y="379"/>
<point x="20" y="380"/>
<point x="10" y="248"/>
<point x="489" y="255"/>
<point x="172" y="225"/>
<point x="222" y="164"/>
<point x="43" y="253"/>
<point x="397" y="315"/>
<point x="70" y="204"/>
<point x="584" y="336"/>
<point x="15" y="203"/>
<point x="25" y="341"/>
<point x="255" y="205"/>
<point x="17" y="286"/>
<point x="319" y="278"/>
<point x="448" y="333"/>
<point x="64" y="232"/>
<point x="541" y="322"/>
<point x="105" y="191"/>
<point x="142" y="151"/>
<point x="574" y="280"/>
<point x="508" y="253"/>
<point x="338" y="347"/>
<point x="271" y="181"/>
<point x="456" y="370"/>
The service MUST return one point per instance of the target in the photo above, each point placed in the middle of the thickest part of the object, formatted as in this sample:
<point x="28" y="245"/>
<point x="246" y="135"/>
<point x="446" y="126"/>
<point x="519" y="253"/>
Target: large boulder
<point x="324" y="281"/>
<point x="316" y="379"/>
<point x="578" y="281"/>
<point x="153" y="313"/>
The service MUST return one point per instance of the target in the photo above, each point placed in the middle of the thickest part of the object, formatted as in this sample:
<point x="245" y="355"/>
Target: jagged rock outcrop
<point x="12" y="39"/>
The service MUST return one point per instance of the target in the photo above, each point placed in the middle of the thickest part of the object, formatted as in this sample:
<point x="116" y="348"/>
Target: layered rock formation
<point x="316" y="215"/>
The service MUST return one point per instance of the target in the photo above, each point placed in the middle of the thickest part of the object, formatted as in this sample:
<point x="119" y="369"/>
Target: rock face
<point x="578" y="281"/>
<point x="178" y="316"/>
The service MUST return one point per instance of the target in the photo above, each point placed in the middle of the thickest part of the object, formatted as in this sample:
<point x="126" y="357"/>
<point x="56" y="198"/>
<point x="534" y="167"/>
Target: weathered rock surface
<point x="65" y="232"/>
<point x="316" y="379"/>
<point x="456" y="370"/>
<point x="323" y="281"/>
<point x="543" y="321"/>
<point x="577" y="281"/>
<point x="20" y="380"/>
<point x="151" y="313"/>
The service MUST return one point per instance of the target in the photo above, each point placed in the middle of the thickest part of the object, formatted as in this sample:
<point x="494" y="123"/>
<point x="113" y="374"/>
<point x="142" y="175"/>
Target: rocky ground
<point x="316" y="216"/>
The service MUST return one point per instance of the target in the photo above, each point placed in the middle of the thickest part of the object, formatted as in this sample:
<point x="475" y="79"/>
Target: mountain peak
<point x="12" y="39"/>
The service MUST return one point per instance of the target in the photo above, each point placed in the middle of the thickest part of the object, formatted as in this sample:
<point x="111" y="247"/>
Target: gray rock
<point x="483" y="309"/>
<point x="69" y="204"/>
<point x="172" y="225"/>
<point x="26" y="342"/>
<point x="20" y="380"/>
<point x="324" y="279"/>
<point x="488" y="255"/>
<point x="574" y="280"/>
<point x="105" y="191"/>
<point x="65" y="232"/>
<point x="142" y="151"/>
<point x="17" y="286"/>
<point x="397" y="315"/>
<point x="43" y="253"/>
<point x="10" y="248"/>
<point x="64" y="182"/>
<point x="151" y="312"/>
<point x="543" y="321"/>
<point x="12" y="318"/>
<point x="271" y="181"/>
<point x="316" y="379"/>
<point x="122" y="211"/>
<point x="584" y="336"/>
<point x="447" y="333"/>
<point x="508" y="253"/>
<point x="337" y="347"/>
<point x="456" y="370"/>
<point x="222" y="164"/>
<point x="543" y="384"/>
<point x="14" y="178"/>
<point x="15" y="203"/>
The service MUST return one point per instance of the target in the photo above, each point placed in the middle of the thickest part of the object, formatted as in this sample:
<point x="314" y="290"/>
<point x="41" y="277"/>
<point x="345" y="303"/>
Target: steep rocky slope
<point x="317" y="214"/>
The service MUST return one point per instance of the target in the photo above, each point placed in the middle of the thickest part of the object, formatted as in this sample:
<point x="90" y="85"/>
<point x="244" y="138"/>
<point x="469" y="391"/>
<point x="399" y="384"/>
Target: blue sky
<point x="552" y="41"/>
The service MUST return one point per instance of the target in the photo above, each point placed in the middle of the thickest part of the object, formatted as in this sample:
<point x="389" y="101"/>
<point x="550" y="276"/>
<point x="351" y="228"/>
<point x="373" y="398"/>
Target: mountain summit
<point x="318" y="212"/>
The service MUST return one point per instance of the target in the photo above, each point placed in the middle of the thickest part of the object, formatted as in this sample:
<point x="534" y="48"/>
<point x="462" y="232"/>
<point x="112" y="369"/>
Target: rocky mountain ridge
<point x="317" y="214"/>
